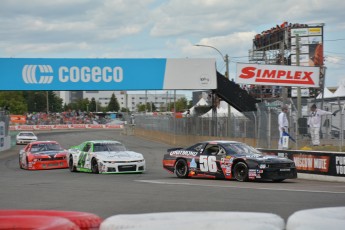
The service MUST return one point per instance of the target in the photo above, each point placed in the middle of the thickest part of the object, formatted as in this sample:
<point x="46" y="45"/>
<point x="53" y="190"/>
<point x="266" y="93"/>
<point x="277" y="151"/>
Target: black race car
<point x="227" y="160"/>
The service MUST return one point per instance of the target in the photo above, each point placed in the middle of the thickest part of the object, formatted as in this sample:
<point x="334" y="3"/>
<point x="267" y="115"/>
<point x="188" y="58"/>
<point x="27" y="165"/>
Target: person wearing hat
<point x="314" y="123"/>
<point x="283" y="124"/>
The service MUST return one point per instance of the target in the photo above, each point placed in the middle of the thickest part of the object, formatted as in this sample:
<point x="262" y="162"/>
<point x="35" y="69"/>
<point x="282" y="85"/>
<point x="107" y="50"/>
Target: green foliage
<point x="113" y="104"/>
<point x="14" y="101"/>
<point x="92" y="105"/>
<point x="181" y="105"/>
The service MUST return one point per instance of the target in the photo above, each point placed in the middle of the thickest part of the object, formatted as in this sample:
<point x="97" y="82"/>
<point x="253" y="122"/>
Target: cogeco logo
<point x="29" y="74"/>
<point x="72" y="74"/>
<point x="87" y="74"/>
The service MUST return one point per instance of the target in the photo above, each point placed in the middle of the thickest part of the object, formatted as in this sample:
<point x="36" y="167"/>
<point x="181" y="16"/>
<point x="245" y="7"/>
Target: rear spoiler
<point x="173" y="149"/>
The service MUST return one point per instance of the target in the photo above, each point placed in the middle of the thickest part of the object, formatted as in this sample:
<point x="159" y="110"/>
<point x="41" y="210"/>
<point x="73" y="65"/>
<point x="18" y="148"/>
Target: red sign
<point x="311" y="162"/>
<point x="19" y="119"/>
<point x="254" y="74"/>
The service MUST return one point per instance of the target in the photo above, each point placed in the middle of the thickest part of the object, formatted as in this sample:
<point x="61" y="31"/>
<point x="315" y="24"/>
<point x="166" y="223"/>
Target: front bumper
<point x="54" y="164"/>
<point x="130" y="167"/>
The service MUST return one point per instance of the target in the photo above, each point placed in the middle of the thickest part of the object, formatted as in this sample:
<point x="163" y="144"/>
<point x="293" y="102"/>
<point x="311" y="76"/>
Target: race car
<point x="104" y="156"/>
<point x="227" y="160"/>
<point x="43" y="155"/>
<point x="25" y="137"/>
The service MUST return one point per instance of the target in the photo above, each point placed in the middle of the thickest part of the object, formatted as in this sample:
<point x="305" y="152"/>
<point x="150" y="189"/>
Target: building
<point x="125" y="99"/>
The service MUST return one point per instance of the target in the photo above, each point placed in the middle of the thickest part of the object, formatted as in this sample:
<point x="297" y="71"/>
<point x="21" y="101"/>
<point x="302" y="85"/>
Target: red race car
<point x="42" y="155"/>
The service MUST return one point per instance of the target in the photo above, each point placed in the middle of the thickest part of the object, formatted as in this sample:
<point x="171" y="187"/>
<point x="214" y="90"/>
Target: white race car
<point x="25" y="138"/>
<point x="104" y="156"/>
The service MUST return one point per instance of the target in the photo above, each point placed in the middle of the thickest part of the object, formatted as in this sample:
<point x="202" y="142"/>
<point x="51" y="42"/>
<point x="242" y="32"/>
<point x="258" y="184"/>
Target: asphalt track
<point x="156" y="190"/>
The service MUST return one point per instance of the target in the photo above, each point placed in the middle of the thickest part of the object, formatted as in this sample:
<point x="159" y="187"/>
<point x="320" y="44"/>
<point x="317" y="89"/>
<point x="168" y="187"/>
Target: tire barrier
<point x="84" y="220"/>
<point x="195" y="220"/>
<point x="36" y="222"/>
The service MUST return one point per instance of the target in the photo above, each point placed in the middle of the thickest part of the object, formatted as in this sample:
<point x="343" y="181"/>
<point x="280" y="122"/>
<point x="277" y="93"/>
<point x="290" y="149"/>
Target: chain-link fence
<point x="261" y="125"/>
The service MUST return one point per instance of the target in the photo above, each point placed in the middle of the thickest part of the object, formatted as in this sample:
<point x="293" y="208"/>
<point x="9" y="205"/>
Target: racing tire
<point x="241" y="172"/>
<point x="94" y="166"/>
<point x="71" y="167"/>
<point x="181" y="168"/>
<point x="20" y="164"/>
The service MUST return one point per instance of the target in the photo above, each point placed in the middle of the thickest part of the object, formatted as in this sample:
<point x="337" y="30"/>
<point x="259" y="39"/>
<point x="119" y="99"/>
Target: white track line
<point x="230" y="186"/>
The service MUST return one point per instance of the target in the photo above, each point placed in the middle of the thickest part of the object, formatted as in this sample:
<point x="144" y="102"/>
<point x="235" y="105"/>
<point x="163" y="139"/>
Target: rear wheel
<point x="71" y="167"/>
<point x="94" y="166"/>
<point x="241" y="171"/>
<point x="181" y="168"/>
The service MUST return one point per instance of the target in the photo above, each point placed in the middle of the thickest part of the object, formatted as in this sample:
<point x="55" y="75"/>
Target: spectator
<point x="283" y="125"/>
<point x="314" y="123"/>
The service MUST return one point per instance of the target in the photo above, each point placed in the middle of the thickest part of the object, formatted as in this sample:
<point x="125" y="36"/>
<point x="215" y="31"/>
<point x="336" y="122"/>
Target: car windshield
<point x="100" y="147"/>
<point x="46" y="147"/>
<point x="240" y="148"/>
<point x="26" y="134"/>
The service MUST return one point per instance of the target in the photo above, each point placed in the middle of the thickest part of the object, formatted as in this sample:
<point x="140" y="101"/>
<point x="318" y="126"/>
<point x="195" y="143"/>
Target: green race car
<point x="104" y="156"/>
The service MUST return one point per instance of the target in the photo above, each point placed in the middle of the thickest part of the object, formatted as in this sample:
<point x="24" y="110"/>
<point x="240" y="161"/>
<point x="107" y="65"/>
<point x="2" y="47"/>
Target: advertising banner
<point x="255" y="74"/>
<point x="18" y="119"/>
<point x="107" y="74"/>
<point x="311" y="37"/>
<point x="313" y="162"/>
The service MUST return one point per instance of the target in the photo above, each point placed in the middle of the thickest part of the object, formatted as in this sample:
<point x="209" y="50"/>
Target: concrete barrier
<point x="331" y="218"/>
<point x="195" y="220"/>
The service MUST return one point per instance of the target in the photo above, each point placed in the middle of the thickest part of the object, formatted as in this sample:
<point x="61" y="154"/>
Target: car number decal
<point x="208" y="164"/>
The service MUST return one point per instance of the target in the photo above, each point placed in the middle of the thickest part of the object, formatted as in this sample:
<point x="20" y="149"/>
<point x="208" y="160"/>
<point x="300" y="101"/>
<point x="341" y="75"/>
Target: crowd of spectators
<point x="275" y="34"/>
<point x="68" y="117"/>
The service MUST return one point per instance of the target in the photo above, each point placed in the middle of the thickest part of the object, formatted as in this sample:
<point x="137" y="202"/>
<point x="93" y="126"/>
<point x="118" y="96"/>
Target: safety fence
<point x="261" y="125"/>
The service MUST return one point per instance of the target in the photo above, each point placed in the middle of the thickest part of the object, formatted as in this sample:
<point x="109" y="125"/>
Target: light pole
<point x="226" y="60"/>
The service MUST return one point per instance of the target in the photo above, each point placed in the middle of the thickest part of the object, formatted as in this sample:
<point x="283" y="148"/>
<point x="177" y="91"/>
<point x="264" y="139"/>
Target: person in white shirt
<point x="314" y="123"/>
<point x="283" y="124"/>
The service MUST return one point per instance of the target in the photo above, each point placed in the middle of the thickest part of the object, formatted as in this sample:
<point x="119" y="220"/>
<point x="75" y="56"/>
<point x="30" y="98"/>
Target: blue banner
<point x="106" y="74"/>
<point x="81" y="74"/>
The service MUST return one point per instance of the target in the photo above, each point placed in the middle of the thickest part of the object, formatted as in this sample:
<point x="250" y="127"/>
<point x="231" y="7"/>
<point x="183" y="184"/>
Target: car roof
<point x="221" y="142"/>
<point x="103" y="141"/>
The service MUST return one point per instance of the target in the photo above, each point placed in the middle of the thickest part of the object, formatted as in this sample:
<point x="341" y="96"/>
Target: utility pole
<point x="226" y="60"/>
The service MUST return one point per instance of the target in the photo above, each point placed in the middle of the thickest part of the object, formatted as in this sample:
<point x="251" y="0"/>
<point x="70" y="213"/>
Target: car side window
<point x="211" y="150"/>
<point x="86" y="148"/>
<point x="221" y="152"/>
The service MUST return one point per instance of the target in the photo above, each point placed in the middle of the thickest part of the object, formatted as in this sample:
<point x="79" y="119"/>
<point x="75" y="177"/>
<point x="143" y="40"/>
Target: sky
<point x="162" y="29"/>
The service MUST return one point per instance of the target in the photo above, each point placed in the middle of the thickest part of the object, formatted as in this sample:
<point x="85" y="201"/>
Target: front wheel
<point x="181" y="168"/>
<point x="94" y="166"/>
<point x="241" y="172"/>
<point x="20" y="163"/>
<point x="71" y="167"/>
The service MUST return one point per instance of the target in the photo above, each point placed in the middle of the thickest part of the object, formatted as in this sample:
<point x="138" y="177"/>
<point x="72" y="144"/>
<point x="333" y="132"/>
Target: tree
<point x="113" y="104"/>
<point x="181" y="105"/>
<point x="141" y="107"/>
<point x="14" y="101"/>
<point x="92" y="105"/>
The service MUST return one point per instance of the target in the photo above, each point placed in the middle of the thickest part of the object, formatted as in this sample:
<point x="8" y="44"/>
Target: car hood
<point x="26" y="137"/>
<point x="119" y="155"/>
<point x="267" y="158"/>
<point x="49" y="153"/>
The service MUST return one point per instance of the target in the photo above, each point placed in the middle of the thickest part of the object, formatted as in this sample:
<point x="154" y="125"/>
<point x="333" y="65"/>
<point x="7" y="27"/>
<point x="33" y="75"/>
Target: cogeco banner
<point x="106" y="74"/>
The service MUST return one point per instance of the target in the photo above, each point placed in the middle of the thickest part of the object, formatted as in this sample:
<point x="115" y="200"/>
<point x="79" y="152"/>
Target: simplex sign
<point x="282" y="75"/>
<point x="107" y="74"/>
